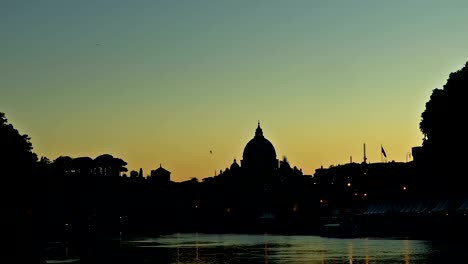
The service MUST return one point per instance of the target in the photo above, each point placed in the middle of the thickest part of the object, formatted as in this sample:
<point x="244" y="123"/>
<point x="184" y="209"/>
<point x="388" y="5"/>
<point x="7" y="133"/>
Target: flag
<point x="383" y="151"/>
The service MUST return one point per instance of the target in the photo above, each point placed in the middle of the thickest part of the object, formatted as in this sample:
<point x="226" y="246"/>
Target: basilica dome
<point x="259" y="148"/>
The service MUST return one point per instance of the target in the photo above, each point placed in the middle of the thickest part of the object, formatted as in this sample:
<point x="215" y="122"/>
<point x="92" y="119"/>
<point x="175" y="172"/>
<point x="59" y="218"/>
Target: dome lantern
<point x="258" y="131"/>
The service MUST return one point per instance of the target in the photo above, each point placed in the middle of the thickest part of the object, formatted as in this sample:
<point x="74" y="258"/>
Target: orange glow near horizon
<point x="153" y="83"/>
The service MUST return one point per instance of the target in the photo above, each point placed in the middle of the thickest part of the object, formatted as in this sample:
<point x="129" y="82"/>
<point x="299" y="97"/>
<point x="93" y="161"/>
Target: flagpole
<point x="365" y="158"/>
<point x="381" y="153"/>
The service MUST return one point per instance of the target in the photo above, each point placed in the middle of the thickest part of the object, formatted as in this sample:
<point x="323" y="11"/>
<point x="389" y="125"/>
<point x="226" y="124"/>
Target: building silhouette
<point x="261" y="193"/>
<point x="160" y="175"/>
<point x="259" y="156"/>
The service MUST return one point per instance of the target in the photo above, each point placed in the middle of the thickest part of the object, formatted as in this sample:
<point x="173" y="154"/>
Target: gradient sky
<point x="164" y="82"/>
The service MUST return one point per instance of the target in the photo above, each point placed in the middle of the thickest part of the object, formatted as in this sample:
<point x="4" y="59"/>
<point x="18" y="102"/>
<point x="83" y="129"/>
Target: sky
<point x="182" y="84"/>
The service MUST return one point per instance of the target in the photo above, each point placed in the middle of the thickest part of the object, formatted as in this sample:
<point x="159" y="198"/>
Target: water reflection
<point x="231" y="248"/>
<point x="350" y="252"/>
<point x="235" y="248"/>
<point x="196" y="249"/>
<point x="366" y="251"/>
<point x="405" y="250"/>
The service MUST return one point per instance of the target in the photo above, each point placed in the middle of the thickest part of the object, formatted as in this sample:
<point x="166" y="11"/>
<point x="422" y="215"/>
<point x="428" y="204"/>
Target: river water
<point x="238" y="248"/>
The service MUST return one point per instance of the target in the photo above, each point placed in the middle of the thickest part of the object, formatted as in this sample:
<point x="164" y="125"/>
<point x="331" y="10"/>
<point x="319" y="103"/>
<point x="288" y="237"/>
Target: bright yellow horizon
<point x="166" y="82"/>
<point x="193" y="159"/>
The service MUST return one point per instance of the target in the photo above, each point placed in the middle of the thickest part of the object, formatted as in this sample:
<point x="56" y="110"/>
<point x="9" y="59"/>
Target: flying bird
<point x="211" y="152"/>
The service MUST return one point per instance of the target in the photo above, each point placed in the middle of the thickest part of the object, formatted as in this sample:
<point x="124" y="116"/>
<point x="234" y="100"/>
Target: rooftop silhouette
<point x="80" y="198"/>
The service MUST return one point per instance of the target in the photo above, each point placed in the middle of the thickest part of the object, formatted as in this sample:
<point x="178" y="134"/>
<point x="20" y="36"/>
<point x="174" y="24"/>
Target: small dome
<point x="259" y="148"/>
<point x="234" y="165"/>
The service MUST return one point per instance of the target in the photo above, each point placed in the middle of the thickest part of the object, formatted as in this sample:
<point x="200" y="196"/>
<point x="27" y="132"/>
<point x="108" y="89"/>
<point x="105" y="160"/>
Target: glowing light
<point x="365" y="195"/>
<point x="404" y="188"/>
<point x="349" y="184"/>
<point x="295" y="208"/>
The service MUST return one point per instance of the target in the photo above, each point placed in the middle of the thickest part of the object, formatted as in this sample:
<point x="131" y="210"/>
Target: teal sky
<point x="165" y="82"/>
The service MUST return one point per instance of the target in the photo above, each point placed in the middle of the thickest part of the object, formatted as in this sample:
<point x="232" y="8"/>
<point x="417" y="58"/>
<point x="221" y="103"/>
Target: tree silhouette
<point x="118" y="166"/>
<point x="83" y="165"/>
<point x="17" y="160"/>
<point x="110" y="166"/>
<point x="18" y="163"/>
<point x="63" y="164"/>
<point x="441" y="120"/>
<point x="16" y="149"/>
<point x="443" y="129"/>
<point x="133" y="174"/>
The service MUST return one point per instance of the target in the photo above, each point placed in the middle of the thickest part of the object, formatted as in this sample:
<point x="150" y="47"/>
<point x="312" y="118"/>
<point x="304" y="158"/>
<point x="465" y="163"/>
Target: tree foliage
<point x="442" y="121"/>
<point x="16" y="153"/>
<point x="18" y="163"/>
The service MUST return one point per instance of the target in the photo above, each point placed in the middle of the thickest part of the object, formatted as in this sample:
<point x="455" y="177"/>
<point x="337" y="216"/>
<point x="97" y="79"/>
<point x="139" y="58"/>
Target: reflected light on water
<point x="350" y="252"/>
<point x="202" y="248"/>
<point x="405" y="251"/>
<point x="196" y="251"/>
<point x="178" y="254"/>
<point x="366" y="251"/>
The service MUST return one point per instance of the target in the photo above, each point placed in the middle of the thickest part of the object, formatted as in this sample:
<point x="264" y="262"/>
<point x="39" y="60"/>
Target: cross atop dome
<point x="259" y="132"/>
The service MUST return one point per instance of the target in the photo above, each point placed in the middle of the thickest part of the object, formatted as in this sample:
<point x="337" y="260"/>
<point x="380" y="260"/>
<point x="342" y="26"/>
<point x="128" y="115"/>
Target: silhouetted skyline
<point x="84" y="201"/>
<point x="182" y="84"/>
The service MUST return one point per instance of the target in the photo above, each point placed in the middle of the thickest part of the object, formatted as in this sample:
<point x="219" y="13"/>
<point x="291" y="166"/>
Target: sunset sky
<point x="166" y="82"/>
